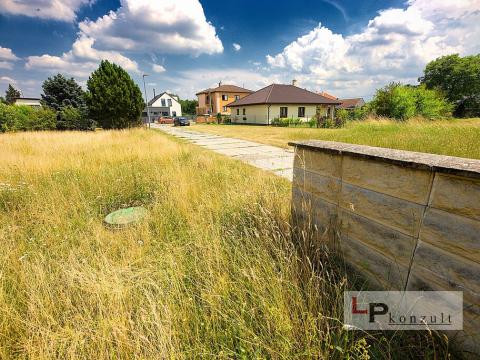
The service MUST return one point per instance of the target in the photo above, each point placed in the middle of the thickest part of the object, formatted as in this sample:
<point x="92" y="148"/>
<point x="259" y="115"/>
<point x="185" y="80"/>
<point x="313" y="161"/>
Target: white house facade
<point x="280" y="101"/>
<point x="163" y="105"/>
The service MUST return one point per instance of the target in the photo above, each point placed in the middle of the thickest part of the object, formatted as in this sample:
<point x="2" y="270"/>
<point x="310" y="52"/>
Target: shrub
<point x="26" y="118"/>
<point x="403" y="102"/>
<point x="71" y="118"/>
<point x="45" y="119"/>
<point x="312" y="123"/>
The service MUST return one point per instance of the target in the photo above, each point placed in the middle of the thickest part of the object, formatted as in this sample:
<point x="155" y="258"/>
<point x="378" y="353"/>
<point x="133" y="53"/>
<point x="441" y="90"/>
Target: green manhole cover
<point x="124" y="217"/>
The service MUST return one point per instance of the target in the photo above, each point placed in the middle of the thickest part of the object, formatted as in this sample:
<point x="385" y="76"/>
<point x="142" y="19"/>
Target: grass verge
<point x="214" y="270"/>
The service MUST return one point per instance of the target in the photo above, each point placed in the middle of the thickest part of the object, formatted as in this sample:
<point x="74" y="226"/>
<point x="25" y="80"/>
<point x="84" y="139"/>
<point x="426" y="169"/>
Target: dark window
<point x="244" y="111"/>
<point x="238" y="112"/>
<point x="169" y="102"/>
<point x="301" y="112"/>
<point x="224" y="97"/>
<point x="163" y="102"/>
<point x="283" y="111"/>
<point x="174" y="113"/>
<point x="207" y="99"/>
<point x="237" y="97"/>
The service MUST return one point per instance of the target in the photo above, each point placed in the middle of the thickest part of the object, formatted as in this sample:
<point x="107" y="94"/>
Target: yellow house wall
<point x="217" y="102"/>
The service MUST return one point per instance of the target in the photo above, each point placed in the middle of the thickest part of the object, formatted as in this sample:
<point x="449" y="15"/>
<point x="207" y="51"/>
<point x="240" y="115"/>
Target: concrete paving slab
<point x="266" y="157"/>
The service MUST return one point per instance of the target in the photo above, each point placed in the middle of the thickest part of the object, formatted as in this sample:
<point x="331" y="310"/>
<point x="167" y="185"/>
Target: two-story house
<point x="214" y="101"/>
<point x="163" y="104"/>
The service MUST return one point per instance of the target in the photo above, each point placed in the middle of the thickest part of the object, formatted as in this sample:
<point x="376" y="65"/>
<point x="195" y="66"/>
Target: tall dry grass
<point x="212" y="272"/>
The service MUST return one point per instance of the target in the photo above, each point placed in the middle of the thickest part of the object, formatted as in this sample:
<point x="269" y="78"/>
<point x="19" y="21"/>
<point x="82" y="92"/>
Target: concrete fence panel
<point x="403" y="220"/>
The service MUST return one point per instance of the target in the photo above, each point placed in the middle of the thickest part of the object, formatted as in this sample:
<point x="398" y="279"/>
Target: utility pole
<point x="146" y="99"/>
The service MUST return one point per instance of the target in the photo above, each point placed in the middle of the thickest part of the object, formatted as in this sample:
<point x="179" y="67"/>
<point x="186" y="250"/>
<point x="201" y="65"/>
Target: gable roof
<point x="351" y="103"/>
<point x="225" y="88"/>
<point x="283" y="94"/>
<point x="151" y="102"/>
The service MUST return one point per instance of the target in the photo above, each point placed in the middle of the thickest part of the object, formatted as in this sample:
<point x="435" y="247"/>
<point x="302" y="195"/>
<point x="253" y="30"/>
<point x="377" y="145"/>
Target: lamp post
<point x="146" y="99"/>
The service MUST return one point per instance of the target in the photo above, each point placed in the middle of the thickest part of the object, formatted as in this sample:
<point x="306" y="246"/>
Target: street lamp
<point x="146" y="99"/>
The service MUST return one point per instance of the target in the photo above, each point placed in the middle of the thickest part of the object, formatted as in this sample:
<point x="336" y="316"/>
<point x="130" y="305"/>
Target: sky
<point x="347" y="48"/>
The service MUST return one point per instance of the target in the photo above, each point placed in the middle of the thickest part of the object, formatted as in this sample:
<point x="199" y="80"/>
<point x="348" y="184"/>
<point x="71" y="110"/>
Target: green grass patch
<point x="446" y="137"/>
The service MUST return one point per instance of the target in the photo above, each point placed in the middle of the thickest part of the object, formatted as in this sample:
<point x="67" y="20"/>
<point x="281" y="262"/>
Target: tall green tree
<point x="189" y="106"/>
<point x="113" y="99"/>
<point x="11" y="94"/>
<point x="59" y="92"/>
<point x="459" y="79"/>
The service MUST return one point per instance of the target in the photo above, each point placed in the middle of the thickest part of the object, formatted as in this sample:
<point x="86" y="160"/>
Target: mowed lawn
<point x="447" y="137"/>
<point x="211" y="272"/>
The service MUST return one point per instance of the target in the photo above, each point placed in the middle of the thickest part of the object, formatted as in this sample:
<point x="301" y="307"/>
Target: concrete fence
<point x="403" y="220"/>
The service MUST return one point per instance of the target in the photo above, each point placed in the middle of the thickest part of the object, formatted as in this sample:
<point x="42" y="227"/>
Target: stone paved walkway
<point x="266" y="157"/>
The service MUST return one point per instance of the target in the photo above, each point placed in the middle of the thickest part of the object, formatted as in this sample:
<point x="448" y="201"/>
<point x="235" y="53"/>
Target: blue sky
<point x="348" y="48"/>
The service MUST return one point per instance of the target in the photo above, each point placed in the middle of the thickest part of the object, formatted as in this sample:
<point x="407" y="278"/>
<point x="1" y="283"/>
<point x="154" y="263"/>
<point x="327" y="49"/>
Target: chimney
<point x="294" y="82"/>
<point x="153" y="92"/>
<point x="219" y="83"/>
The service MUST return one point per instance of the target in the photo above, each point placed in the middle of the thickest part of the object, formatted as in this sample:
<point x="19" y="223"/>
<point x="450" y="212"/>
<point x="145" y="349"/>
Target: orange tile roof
<point x="327" y="95"/>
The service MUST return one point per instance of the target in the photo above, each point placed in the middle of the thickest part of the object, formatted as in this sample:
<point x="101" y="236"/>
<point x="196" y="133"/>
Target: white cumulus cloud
<point x="236" y="46"/>
<point x="62" y="10"/>
<point x="158" y="68"/>
<point x="138" y="26"/>
<point x="6" y="58"/>
<point x="394" y="46"/>
<point x="7" y="54"/>
<point x="81" y="60"/>
<point x="165" y="26"/>
<point x="188" y="82"/>
<point x="6" y="79"/>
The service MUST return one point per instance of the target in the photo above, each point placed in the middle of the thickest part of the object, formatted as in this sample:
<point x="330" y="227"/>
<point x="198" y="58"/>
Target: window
<point x="301" y="111"/>
<point x="238" y="111"/>
<point x="224" y="109"/>
<point x="283" y="111"/>
<point x="169" y="101"/>
<point x="163" y="102"/>
<point x="224" y="97"/>
<point x="174" y="113"/>
<point x="237" y="97"/>
<point x="207" y="99"/>
<point x="244" y="111"/>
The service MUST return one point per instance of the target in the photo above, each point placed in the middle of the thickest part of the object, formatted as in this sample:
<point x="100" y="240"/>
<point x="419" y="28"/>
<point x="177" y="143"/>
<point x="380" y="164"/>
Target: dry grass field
<point x="446" y="137"/>
<point x="212" y="272"/>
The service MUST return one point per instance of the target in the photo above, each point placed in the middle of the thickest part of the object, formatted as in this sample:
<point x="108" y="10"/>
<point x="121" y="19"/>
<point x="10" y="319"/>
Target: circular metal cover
<point x="126" y="216"/>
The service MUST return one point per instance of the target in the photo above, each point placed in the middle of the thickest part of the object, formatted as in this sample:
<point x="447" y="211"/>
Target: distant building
<point x="164" y="104"/>
<point x="33" y="102"/>
<point x="281" y="101"/>
<point x="350" y="104"/>
<point x="327" y="95"/>
<point x="214" y="101"/>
